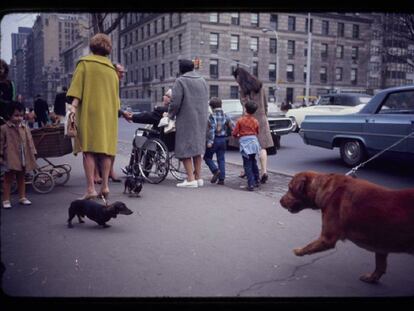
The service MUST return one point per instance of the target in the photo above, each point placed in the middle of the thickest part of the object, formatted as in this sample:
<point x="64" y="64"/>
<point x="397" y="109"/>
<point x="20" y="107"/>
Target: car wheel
<point x="352" y="152"/>
<point x="295" y="127"/>
<point x="276" y="140"/>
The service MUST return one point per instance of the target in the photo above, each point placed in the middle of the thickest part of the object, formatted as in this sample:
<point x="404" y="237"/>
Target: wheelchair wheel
<point x="60" y="174"/>
<point x="43" y="182"/>
<point x="177" y="168"/>
<point x="153" y="161"/>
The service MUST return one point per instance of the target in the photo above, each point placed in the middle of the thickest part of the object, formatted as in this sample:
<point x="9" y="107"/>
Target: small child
<point x="17" y="153"/>
<point x="247" y="128"/>
<point x="219" y="124"/>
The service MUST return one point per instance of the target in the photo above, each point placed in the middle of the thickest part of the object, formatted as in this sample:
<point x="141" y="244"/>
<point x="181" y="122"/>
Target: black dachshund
<point x="97" y="212"/>
<point x="133" y="184"/>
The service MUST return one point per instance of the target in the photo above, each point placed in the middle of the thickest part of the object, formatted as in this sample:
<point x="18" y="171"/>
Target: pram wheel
<point x="60" y="174"/>
<point x="43" y="182"/>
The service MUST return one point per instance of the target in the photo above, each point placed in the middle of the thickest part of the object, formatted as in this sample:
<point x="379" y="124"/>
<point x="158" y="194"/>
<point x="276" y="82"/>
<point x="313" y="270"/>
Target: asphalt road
<point x="294" y="156"/>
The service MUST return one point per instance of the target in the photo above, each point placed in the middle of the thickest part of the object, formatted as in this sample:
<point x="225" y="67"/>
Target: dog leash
<point x="353" y="171"/>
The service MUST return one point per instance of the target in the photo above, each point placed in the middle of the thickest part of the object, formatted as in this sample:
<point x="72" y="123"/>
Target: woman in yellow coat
<point x="95" y="92"/>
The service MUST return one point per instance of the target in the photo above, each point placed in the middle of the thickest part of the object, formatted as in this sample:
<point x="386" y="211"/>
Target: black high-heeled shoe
<point x="114" y="179"/>
<point x="264" y="178"/>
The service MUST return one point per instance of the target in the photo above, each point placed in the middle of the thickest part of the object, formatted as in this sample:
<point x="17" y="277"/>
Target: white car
<point x="330" y="104"/>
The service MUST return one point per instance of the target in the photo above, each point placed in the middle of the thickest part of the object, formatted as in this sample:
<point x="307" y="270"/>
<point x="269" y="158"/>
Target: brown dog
<point x="375" y="218"/>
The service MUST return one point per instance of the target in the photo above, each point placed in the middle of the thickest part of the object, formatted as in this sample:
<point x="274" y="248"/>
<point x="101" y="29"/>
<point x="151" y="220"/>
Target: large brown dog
<point x="378" y="219"/>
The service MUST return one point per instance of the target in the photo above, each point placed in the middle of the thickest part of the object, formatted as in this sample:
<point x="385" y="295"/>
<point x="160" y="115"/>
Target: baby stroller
<point x="152" y="156"/>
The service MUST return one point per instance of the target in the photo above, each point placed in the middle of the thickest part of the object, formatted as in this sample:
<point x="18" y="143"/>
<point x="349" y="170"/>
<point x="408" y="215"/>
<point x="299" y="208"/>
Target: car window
<point x="232" y="106"/>
<point x="325" y="100"/>
<point x="400" y="103"/>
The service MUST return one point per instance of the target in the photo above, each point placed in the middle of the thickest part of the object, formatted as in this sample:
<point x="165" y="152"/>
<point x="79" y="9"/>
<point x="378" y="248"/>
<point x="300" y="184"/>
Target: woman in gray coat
<point x="189" y="106"/>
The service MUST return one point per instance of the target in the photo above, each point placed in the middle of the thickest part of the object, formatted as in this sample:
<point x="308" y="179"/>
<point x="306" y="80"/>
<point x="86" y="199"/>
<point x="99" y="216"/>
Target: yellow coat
<point x="96" y="84"/>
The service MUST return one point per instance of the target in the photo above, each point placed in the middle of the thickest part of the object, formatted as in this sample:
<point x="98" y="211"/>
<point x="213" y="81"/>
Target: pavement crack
<point x="291" y="277"/>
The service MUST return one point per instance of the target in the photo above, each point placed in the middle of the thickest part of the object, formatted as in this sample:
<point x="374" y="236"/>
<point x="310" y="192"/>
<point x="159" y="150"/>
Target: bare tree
<point x="98" y="20"/>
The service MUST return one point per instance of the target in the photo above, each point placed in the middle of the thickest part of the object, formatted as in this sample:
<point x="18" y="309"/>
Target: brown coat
<point x="11" y="139"/>
<point x="265" y="137"/>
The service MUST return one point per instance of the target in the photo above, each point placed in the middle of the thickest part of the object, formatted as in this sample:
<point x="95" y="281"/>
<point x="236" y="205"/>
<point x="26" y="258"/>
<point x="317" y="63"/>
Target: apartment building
<point x="152" y="44"/>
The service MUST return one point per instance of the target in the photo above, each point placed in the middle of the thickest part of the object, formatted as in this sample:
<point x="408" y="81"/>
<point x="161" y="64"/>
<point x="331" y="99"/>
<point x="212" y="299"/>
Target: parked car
<point x="329" y="104"/>
<point x="279" y="124"/>
<point x="387" y="118"/>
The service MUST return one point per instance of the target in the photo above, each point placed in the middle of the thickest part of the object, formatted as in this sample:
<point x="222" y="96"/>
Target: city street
<point x="216" y="241"/>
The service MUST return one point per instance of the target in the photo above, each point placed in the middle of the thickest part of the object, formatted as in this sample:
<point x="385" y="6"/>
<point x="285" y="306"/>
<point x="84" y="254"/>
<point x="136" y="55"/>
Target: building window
<point x="155" y="27"/>
<point x="214" y="72"/>
<point x="325" y="28"/>
<point x="271" y="97"/>
<point x="254" y="19"/>
<point x="354" y="76"/>
<point x="306" y="25"/>
<point x="291" y="49"/>
<point x="156" y="71"/>
<point x="340" y="51"/>
<point x="254" y="44"/>
<point x="171" y="44"/>
<point x="213" y="18"/>
<point x="214" y="91"/>
<point x="156" y="49"/>
<point x="149" y="51"/>
<point x="323" y="75"/>
<point x="148" y="30"/>
<point x="338" y="74"/>
<point x="324" y="50"/>
<point x="214" y="41"/>
<point x="171" y="69"/>
<point x="162" y="72"/>
<point x="374" y="67"/>
<point x="235" y="18"/>
<point x="255" y="69"/>
<point x="291" y="23"/>
<point x="234" y="92"/>
<point x="289" y="95"/>
<point x="341" y="29"/>
<point x="180" y="37"/>
<point x="272" y="72"/>
<point x="272" y="46"/>
<point x="354" y="53"/>
<point x="234" y="42"/>
<point x="163" y="47"/>
<point x="273" y="21"/>
<point x="290" y="73"/>
<point x="355" y="31"/>
<point x="163" y="24"/>
<point x="171" y="20"/>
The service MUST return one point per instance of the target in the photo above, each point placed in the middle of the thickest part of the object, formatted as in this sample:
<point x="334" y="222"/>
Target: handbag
<point x="71" y="129"/>
<point x="170" y="126"/>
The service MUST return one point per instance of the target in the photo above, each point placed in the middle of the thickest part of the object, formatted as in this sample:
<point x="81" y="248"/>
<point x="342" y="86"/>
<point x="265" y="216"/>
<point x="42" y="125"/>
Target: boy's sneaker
<point x="188" y="184"/>
<point x="215" y="177"/>
<point x="25" y="201"/>
<point x="220" y="182"/>
<point x="200" y="182"/>
<point x="250" y="188"/>
<point x="6" y="204"/>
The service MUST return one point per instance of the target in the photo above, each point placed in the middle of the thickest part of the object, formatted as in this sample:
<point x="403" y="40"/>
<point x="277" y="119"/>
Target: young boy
<point x="219" y="124"/>
<point x="247" y="129"/>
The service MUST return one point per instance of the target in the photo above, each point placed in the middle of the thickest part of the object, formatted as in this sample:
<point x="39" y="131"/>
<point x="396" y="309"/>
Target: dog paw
<point x="298" y="252"/>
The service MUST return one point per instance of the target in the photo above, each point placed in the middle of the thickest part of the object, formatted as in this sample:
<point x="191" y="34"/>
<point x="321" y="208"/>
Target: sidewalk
<point x="213" y="241"/>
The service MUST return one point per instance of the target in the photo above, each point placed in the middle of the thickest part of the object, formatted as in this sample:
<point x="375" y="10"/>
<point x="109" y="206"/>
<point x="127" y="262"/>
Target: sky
<point x="9" y="24"/>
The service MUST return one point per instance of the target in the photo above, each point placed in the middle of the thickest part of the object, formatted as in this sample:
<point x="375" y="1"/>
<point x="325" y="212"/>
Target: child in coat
<point x="247" y="129"/>
<point x="17" y="153"/>
<point x="219" y="124"/>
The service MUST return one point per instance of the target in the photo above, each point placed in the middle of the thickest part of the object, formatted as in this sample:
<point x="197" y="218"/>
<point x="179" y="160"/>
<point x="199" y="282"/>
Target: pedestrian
<point x="7" y="91"/>
<point x="219" y="124"/>
<point x="247" y="129"/>
<point x="59" y="107"/>
<point x="154" y="117"/>
<point x="251" y="88"/>
<point x="41" y="109"/>
<point x="189" y="107"/>
<point x="95" y="92"/>
<point x="17" y="153"/>
<point x="30" y="118"/>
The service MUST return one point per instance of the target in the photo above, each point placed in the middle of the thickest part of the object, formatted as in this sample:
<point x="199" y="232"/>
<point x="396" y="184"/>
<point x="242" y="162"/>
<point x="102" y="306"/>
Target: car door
<point x="393" y="120"/>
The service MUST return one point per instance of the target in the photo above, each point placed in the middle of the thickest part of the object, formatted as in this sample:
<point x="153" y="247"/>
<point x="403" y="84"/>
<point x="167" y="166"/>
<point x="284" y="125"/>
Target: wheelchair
<point x="152" y="157"/>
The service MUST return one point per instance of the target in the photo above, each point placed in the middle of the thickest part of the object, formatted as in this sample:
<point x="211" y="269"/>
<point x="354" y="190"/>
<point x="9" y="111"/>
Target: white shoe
<point x="25" y="201"/>
<point x="188" y="184"/>
<point x="200" y="182"/>
<point x="6" y="204"/>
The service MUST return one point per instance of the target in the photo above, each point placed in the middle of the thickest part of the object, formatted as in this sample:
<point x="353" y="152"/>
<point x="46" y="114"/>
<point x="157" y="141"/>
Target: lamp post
<point x="277" y="60"/>
<point x="308" y="61"/>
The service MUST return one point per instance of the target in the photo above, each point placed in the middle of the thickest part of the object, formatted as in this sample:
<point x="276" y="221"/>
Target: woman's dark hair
<point x="251" y="107"/>
<point x="15" y="106"/>
<point x="248" y="83"/>
<point x="5" y="67"/>
<point x="185" y="65"/>
<point x="215" y="102"/>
